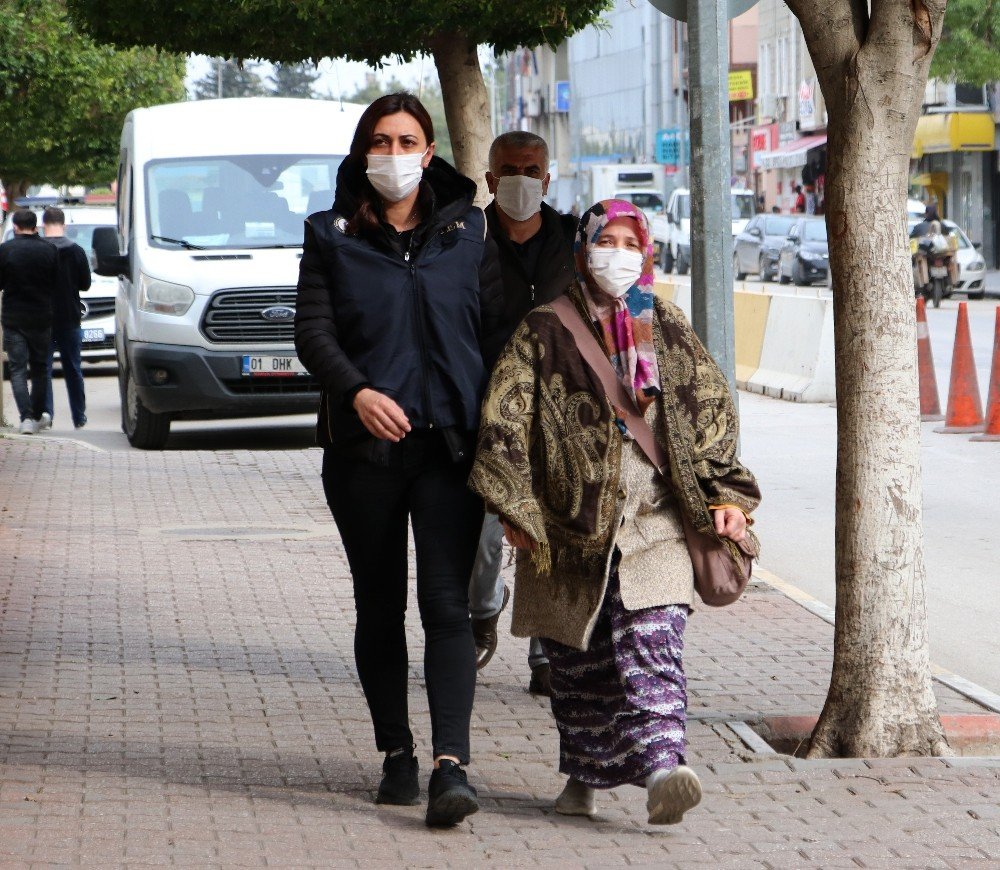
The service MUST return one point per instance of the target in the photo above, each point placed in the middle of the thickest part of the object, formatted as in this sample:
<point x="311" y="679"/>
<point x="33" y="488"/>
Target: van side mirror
<point x="110" y="261"/>
<point x="977" y="245"/>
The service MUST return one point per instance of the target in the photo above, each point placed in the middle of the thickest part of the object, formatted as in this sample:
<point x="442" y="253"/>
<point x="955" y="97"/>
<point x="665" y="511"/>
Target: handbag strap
<point x="594" y="355"/>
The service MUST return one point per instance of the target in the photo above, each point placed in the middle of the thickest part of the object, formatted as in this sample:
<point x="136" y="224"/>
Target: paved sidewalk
<point x="177" y="687"/>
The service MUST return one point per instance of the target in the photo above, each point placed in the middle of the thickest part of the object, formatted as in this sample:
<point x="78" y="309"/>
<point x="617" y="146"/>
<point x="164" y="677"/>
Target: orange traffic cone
<point x="992" y="432"/>
<point x="930" y="404"/>
<point x="965" y="408"/>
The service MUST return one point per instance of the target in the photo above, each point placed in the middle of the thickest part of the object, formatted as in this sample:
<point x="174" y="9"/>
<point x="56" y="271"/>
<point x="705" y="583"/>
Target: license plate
<point x="92" y="335"/>
<point x="939" y="271"/>
<point x="272" y="367"/>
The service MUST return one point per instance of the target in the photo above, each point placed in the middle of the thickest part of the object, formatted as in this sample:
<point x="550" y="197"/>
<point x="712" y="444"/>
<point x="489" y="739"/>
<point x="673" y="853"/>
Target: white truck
<point x="642" y="184"/>
<point x="672" y="229"/>
<point x="212" y="195"/>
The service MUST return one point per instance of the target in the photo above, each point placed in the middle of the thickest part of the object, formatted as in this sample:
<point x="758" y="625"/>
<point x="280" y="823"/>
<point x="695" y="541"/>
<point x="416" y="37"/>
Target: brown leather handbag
<point x="721" y="567"/>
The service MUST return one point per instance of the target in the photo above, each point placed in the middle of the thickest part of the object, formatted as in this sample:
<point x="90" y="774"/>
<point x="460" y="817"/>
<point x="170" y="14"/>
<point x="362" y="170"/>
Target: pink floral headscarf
<point x="626" y="323"/>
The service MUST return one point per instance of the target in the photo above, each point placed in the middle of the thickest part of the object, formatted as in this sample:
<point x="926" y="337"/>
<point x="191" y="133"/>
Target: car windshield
<point x="743" y="207"/>
<point x="651" y="202"/>
<point x="953" y="230"/>
<point x="257" y="201"/>
<point x="814" y="231"/>
<point x="83" y="234"/>
<point x="778" y="226"/>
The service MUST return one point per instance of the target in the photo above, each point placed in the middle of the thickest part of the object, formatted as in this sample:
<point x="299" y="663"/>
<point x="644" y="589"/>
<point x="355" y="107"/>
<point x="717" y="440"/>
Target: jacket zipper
<point x="418" y="314"/>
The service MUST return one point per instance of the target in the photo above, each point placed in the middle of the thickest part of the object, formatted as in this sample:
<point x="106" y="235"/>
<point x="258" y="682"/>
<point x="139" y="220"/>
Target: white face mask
<point x="615" y="269"/>
<point x="395" y="176"/>
<point x="519" y="196"/>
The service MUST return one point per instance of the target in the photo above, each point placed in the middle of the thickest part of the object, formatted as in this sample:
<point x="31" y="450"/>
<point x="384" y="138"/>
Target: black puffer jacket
<point x="422" y="325"/>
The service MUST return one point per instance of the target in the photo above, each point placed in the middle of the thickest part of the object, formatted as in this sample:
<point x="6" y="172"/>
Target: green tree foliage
<point x="64" y="96"/>
<point x="969" y="50"/>
<point x="293" y="80"/>
<point x="362" y="30"/>
<point x="239" y="79"/>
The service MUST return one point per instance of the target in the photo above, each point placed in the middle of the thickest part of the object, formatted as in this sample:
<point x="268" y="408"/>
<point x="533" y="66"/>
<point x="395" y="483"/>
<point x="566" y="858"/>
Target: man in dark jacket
<point x="536" y="262"/>
<point x="27" y="276"/>
<point x="73" y="276"/>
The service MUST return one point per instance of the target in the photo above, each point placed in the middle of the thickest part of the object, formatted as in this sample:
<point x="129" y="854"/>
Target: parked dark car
<point x="805" y="257"/>
<point x="756" y="248"/>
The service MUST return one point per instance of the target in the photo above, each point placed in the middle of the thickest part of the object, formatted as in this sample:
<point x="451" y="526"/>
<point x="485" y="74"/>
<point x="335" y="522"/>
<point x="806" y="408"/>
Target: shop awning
<point x="789" y="155"/>
<point x="954" y="131"/>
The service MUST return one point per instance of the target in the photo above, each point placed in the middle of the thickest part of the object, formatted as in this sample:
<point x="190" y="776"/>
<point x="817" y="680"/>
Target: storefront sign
<point x="740" y="85"/>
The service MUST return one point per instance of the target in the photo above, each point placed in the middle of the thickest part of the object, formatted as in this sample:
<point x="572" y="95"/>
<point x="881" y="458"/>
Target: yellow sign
<point x="740" y="85"/>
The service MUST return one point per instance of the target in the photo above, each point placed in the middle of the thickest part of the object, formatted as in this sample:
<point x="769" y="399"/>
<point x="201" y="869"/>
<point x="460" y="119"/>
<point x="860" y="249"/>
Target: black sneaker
<point x="400" y="784"/>
<point x="450" y="798"/>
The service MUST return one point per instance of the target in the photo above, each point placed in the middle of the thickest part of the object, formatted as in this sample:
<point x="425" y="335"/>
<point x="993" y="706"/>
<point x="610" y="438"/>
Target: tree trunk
<point x="466" y="106"/>
<point x="880" y="701"/>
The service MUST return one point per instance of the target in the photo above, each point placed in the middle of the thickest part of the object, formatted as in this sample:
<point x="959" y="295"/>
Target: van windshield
<point x="256" y="201"/>
<point x="743" y="206"/>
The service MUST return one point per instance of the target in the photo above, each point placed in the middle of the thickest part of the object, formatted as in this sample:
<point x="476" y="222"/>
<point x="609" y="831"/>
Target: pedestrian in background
<point x="603" y="573"/>
<point x="73" y="276"/>
<point x="398" y="316"/>
<point x="536" y="262"/>
<point x="27" y="279"/>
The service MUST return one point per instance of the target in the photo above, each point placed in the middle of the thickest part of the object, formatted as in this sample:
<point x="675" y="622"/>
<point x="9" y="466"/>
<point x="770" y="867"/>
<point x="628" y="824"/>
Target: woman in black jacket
<point x="398" y="315"/>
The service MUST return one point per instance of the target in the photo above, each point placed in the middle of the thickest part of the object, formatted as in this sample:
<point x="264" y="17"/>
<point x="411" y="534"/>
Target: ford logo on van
<point x="278" y="313"/>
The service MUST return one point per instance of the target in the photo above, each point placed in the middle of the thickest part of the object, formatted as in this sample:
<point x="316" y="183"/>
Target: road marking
<point x="982" y="696"/>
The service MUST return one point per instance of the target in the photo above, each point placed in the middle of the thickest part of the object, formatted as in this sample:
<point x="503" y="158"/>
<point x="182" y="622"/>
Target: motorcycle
<point x="933" y="271"/>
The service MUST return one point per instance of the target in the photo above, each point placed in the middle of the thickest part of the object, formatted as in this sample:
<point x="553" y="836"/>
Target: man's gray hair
<point x="516" y="140"/>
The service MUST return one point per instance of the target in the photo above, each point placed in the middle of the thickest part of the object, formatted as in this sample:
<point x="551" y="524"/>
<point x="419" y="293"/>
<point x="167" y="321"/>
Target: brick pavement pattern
<point x="177" y="687"/>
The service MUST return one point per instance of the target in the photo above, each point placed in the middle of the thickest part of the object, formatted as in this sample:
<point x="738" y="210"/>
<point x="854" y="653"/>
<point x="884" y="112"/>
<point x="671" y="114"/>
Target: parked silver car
<point x="755" y="250"/>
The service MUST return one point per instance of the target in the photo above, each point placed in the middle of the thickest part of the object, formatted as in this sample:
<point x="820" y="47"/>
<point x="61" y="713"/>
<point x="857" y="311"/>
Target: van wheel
<point x="666" y="259"/>
<point x="682" y="264"/>
<point x="143" y="428"/>
<point x="979" y="294"/>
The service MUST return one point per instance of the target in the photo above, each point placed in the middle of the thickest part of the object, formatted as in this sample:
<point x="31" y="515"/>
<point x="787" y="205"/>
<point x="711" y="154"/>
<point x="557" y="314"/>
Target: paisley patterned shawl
<point x="549" y="453"/>
<point x="626" y="323"/>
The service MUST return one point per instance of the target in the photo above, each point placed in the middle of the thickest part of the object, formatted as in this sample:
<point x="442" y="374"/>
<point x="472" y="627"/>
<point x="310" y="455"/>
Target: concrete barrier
<point x="796" y="360"/>
<point x="750" y="312"/>
<point x="784" y="338"/>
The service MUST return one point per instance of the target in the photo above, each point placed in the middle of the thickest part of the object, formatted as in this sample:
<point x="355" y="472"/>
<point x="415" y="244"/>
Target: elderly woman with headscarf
<point x="603" y="574"/>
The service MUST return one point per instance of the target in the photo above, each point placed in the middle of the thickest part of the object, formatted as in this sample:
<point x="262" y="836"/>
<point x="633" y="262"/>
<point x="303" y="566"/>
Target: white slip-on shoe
<point x="576" y="799"/>
<point x="28" y="426"/>
<point x="671" y="794"/>
<point x="45" y="421"/>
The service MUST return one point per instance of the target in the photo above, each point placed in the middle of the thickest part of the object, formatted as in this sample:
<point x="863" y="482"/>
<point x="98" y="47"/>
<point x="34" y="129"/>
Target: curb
<point x="973" y="691"/>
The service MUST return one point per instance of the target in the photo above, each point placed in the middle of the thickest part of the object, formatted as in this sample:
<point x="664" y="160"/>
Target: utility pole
<point x="218" y="78"/>
<point x="710" y="172"/>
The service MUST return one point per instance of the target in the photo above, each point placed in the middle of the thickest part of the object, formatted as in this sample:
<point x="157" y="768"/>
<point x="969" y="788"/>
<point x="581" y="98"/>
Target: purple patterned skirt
<point x="621" y="705"/>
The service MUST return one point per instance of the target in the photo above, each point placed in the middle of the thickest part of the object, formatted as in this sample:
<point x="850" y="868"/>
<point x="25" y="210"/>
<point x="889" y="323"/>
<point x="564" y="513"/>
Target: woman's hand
<point x="381" y="415"/>
<point x="730" y="523"/>
<point x="518" y="539"/>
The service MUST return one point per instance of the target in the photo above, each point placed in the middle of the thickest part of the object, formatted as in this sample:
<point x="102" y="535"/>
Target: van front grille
<point x="237" y="316"/>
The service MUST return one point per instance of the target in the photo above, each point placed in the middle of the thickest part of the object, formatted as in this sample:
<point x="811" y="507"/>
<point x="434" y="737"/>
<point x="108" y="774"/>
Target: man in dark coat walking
<point x="27" y="276"/>
<point x="536" y="264"/>
<point x="73" y="277"/>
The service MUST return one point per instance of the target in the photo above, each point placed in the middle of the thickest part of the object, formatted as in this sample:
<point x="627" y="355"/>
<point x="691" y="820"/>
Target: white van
<point x="212" y="195"/>
<point x="672" y="230"/>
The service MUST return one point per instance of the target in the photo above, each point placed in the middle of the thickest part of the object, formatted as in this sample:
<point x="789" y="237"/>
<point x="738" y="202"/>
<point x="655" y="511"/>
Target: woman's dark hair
<point x="366" y="217"/>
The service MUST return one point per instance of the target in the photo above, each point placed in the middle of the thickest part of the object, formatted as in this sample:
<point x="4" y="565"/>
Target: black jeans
<point x="28" y="352"/>
<point x="371" y="502"/>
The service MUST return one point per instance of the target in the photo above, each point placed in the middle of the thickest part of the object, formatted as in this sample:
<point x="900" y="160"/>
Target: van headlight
<point x="162" y="297"/>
